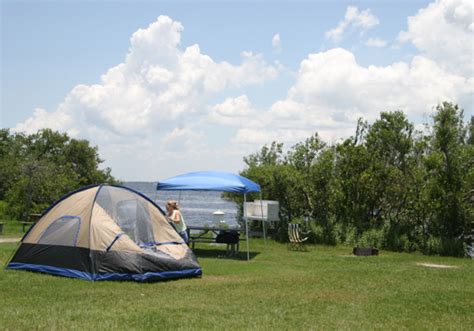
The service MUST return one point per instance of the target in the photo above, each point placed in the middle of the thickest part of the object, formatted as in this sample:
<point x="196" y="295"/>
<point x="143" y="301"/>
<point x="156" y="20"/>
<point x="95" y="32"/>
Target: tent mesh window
<point x="129" y="211"/>
<point x="62" y="231"/>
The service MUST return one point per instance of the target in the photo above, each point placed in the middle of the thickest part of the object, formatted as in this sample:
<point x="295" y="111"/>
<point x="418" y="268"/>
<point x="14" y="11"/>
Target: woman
<point x="176" y="217"/>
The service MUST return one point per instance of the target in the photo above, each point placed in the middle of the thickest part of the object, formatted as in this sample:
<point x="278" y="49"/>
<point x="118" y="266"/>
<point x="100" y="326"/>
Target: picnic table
<point x="32" y="219"/>
<point x="219" y="235"/>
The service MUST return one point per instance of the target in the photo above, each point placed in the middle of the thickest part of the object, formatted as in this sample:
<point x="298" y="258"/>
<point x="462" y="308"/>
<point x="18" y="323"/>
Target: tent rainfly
<point x="105" y="232"/>
<point x="214" y="181"/>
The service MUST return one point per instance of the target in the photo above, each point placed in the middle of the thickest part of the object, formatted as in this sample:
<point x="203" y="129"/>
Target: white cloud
<point x="158" y="87"/>
<point x="276" y="42"/>
<point x="355" y="20"/>
<point x="232" y="111"/>
<point x="444" y="32"/>
<point x="376" y="42"/>
<point x="157" y="82"/>
<point x="153" y="111"/>
<point x="334" y="79"/>
<point x="174" y="141"/>
<point x="41" y="116"/>
<point x="332" y="91"/>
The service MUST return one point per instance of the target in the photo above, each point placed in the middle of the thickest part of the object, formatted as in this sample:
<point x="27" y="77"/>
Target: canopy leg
<point x="263" y="221"/>
<point x="247" y="235"/>
<point x="246" y="229"/>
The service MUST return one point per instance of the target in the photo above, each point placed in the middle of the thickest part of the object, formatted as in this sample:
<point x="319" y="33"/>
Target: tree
<point x="352" y="186"/>
<point x="449" y="167"/>
<point x="388" y="185"/>
<point x="279" y="180"/>
<point x="313" y="162"/>
<point x="39" y="168"/>
<point x="303" y="157"/>
<point x="390" y="144"/>
<point x="8" y="167"/>
<point x="85" y="161"/>
<point x="267" y="156"/>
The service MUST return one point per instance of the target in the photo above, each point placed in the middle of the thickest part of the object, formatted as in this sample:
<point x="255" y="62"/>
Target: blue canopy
<point x="209" y="181"/>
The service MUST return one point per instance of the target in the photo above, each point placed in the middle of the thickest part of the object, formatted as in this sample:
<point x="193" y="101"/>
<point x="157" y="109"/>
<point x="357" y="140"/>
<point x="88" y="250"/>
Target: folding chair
<point x="295" y="236"/>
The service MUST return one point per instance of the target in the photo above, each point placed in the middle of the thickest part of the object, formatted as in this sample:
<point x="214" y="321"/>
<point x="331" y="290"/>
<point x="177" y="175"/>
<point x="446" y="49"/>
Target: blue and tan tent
<point x="105" y="232"/>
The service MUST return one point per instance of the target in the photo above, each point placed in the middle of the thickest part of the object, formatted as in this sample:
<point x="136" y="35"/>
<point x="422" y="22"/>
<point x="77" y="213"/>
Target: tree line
<point x="37" y="169"/>
<point x="388" y="186"/>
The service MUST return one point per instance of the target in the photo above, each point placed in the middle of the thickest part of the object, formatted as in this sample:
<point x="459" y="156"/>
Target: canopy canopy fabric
<point x="209" y="181"/>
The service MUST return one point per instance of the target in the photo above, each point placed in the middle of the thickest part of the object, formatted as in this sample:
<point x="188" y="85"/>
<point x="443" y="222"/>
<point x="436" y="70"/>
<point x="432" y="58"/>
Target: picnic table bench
<point x="229" y="237"/>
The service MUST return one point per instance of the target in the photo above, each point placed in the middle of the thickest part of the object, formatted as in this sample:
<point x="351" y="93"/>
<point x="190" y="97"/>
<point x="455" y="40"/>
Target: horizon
<point x="169" y="88"/>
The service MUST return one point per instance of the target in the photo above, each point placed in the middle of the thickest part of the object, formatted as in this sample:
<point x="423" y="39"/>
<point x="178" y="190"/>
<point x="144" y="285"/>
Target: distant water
<point x="196" y="206"/>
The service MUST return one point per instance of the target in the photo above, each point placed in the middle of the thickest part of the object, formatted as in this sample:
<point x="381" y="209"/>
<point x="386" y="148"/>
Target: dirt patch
<point x="225" y="279"/>
<point x="9" y="240"/>
<point x="439" y="266"/>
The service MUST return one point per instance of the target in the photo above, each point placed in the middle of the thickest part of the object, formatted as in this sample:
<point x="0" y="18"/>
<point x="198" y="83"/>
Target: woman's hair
<point x="173" y="204"/>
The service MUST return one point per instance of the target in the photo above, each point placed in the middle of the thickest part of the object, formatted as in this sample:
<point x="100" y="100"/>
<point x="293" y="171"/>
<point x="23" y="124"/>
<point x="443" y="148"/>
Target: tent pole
<point x="246" y="228"/>
<point x="263" y="220"/>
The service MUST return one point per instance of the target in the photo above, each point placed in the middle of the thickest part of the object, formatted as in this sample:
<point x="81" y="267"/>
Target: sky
<point x="164" y="88"/>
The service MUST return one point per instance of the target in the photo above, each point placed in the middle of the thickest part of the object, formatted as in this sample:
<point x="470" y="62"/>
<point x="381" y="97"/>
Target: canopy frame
<point x="216" y="181"/>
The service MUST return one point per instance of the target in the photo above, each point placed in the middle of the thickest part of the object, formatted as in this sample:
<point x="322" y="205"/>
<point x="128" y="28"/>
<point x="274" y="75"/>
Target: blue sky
<point x="294" y="87"/>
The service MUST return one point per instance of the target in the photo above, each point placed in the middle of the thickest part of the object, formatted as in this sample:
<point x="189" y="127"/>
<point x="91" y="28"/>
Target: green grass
<point x="12" y="229"/>
<point x="325" y="288"/>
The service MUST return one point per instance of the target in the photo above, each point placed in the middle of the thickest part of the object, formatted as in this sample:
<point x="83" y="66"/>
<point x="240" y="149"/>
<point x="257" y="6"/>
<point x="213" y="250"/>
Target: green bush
<point x="346" y="235"/>
<point x="445" y="247"/>
<point x="316" y="235"/>
<point x="406" y="244"/>
<point x="433" y="246"/>
<point x="281" y="231"/>
<point x="453" y="247"/>
<point x="3" y="210"/>
<point x="372" y="238"/>
<point x="396" y="238"/>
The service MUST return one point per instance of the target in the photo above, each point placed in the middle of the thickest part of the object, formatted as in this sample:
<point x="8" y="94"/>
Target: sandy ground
<point x="440" y="266"/>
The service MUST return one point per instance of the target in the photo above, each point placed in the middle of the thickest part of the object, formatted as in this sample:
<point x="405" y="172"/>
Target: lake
<point x="196" y="206"/>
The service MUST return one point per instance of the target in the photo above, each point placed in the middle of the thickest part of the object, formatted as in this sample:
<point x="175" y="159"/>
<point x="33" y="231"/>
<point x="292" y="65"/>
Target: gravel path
<point x="9" y="240"/>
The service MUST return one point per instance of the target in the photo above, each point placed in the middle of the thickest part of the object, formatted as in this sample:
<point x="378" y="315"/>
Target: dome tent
<point x="105" y="232"/>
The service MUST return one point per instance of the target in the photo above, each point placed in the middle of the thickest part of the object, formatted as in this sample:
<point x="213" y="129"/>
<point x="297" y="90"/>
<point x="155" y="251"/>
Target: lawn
<point x="325" y="288"/>
<point x="12" y="229"/>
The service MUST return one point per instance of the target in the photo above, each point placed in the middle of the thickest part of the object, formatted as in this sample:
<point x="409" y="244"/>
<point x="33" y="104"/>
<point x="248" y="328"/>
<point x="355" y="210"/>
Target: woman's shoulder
<point x="176" y="212"/>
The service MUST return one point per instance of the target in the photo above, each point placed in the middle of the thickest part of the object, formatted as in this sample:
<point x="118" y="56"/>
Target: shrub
<point x="346" y="235"/>
<point x="3" y="210"/>
<point x="372" y="238"/>
<point x="453" y="247"/>
<point x="433" y="246"/>
<point x="445" y="246"/>
<point x="396" y="238"/>
<point x="316" y="234"/>
<point x="281" y="231"/>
